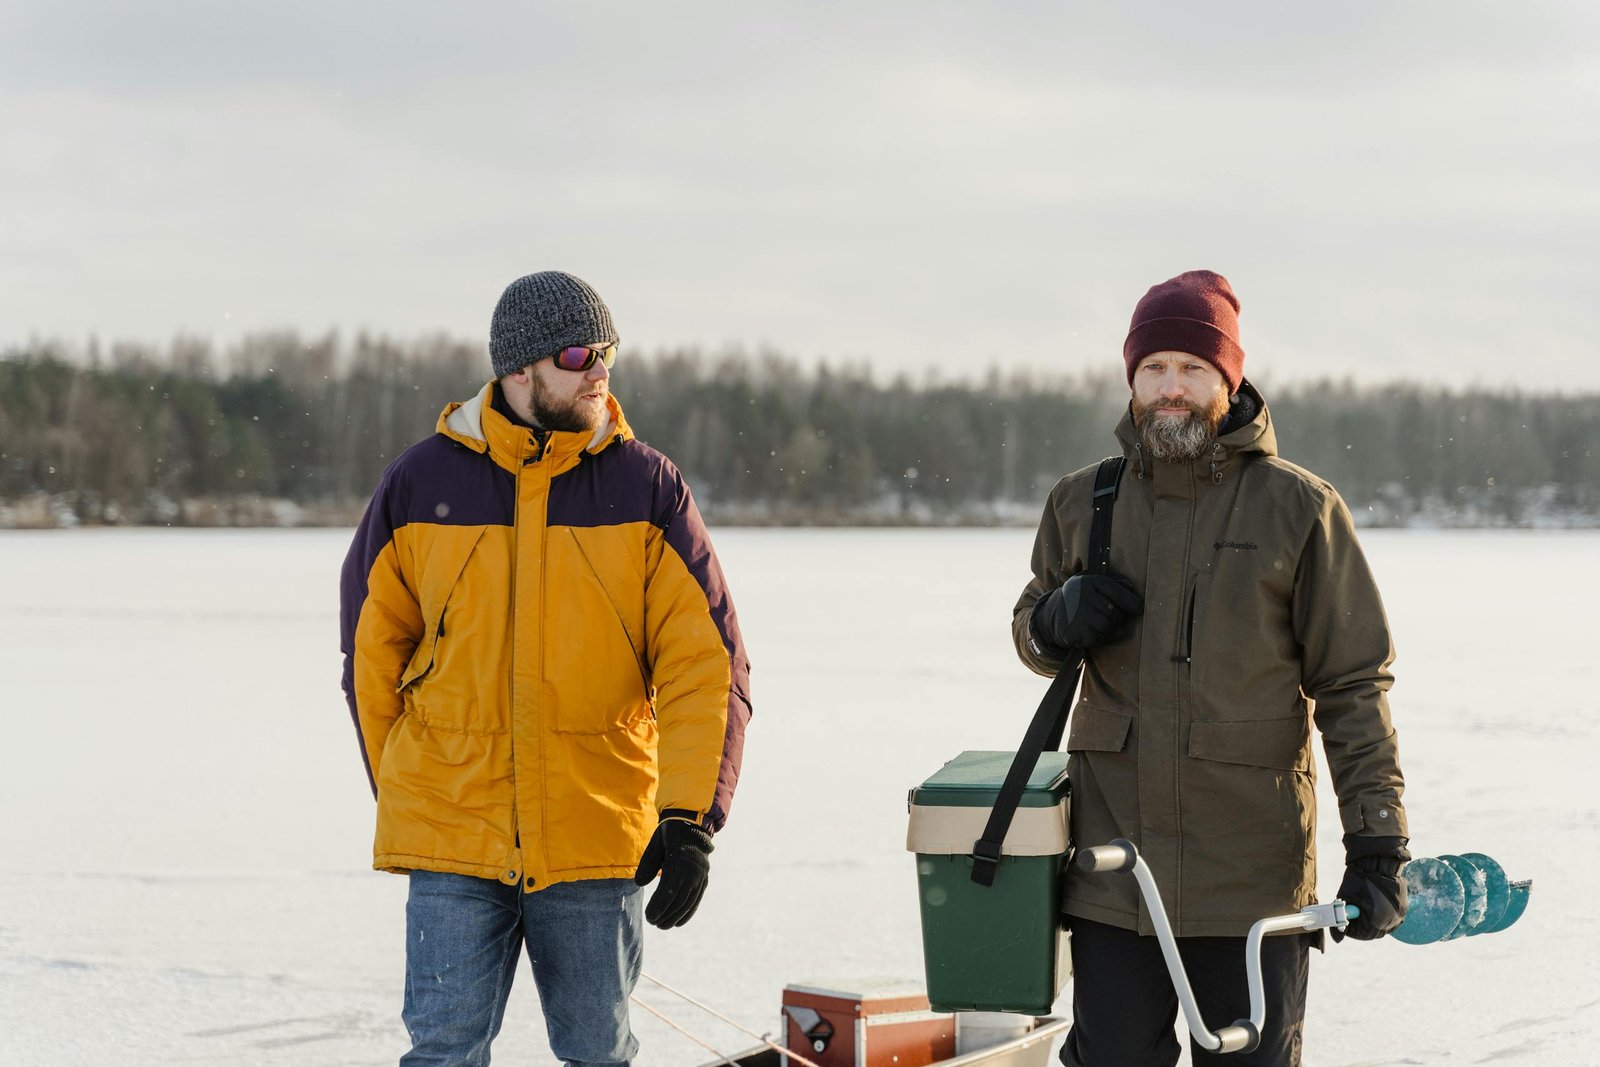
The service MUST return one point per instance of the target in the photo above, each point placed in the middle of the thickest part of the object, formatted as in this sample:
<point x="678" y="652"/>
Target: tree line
<point x="282" y="429"/>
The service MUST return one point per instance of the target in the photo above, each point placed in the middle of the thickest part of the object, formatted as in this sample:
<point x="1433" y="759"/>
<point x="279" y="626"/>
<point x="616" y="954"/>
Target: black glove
<point x="1373" y="883"/>
<point x="1085" y="611"/>
<point x="677" y="851"/>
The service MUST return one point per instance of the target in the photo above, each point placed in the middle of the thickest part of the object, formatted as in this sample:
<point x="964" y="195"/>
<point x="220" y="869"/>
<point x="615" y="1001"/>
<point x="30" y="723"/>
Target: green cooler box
<point x="998" y="947"/>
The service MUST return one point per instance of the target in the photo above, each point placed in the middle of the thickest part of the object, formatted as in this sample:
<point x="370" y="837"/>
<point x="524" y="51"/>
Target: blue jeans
<point x="463" y="937"/>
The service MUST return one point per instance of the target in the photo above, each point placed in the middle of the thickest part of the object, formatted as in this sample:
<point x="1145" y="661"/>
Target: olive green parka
<point x="1192" y="733"/>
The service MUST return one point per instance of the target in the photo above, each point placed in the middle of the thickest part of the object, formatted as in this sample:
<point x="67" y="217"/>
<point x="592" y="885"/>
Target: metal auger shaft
<point x="1245" y="1034"/>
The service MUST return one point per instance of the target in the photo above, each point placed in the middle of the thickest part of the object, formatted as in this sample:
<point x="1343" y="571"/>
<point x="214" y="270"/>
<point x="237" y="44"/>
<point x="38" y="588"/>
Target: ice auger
<point x="1450" y="896"/>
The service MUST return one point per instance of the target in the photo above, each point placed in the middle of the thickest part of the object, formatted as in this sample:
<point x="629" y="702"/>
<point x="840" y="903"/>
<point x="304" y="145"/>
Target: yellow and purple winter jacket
<point x="541" y="657"/>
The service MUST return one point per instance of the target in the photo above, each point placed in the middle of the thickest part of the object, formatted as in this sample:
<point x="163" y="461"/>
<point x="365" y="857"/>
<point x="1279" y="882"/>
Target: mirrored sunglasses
<point x="582" y="357"/>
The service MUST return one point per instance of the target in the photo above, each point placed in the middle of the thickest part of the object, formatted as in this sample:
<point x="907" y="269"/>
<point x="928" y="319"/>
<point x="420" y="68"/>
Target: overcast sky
<point x="1395" y="189"/>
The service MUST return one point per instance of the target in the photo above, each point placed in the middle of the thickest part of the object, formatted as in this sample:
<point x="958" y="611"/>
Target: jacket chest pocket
<point x="595" y="655"/>
<point x="1192" y="627"/>
<point x="1236" y="642"/>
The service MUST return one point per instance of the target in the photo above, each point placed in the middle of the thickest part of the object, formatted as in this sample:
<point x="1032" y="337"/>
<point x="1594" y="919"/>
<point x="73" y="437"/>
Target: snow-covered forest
<point x="279" y="429"/>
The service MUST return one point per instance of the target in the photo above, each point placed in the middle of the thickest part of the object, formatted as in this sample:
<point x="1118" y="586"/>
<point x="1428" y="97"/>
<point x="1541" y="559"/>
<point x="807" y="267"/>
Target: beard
<point x="1179" y="440"/>
<point x="551" y="412"/>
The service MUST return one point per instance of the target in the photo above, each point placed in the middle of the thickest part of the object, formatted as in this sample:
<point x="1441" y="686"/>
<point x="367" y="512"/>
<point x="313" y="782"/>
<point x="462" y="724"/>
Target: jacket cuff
<point x="1380" y="817"/>
<point x="684" y="815"/>
<point x="1360" y="847"/>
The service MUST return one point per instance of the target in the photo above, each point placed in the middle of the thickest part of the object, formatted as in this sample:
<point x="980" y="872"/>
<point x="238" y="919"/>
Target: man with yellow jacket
<point x="549" y="688"/>
<point x="1239" y="612"/>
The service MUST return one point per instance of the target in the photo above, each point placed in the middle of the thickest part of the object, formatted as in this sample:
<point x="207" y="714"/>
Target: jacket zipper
<point x="541" y="445"/>
<point x="1179" y="677"/>
<point x="511" y="733"/>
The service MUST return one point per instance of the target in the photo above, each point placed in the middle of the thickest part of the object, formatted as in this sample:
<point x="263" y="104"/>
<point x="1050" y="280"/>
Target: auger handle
<point x="1242" y="1036"/>
<point x="1245" y="1034"/>
<point x="1120" y="855"/>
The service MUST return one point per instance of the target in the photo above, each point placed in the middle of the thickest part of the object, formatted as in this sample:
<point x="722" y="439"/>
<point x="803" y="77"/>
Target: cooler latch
<point x="816" y="1029"/>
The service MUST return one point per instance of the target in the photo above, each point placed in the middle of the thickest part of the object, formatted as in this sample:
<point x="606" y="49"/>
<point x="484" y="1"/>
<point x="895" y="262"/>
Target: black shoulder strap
<point x="1106" y="480"/>
<point x="1049" y="722"/>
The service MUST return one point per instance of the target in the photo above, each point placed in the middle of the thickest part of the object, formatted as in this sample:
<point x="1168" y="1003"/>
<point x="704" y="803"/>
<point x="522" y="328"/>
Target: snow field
<point x="185" y="828"/>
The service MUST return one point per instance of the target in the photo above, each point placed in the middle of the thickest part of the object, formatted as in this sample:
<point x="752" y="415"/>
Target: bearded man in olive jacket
<point x="1238" y="610"/>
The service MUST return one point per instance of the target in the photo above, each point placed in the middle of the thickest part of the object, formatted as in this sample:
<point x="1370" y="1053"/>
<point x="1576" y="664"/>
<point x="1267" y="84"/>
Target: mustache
<point x="1142" y="411"/>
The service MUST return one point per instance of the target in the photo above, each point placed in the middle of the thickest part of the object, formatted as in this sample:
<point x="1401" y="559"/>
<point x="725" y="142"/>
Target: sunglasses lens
<point x="574" y="357"/>
<point x="579" y="357"/>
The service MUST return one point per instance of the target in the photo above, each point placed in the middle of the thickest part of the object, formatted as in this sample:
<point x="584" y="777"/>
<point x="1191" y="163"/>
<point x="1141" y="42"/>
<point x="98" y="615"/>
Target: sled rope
<point x="765" y="1039"/>
<point x="722" y="1057"/>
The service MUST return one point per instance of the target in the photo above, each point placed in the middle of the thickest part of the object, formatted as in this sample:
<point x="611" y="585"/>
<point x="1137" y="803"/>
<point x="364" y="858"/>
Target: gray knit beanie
<point x="541" y="313"/>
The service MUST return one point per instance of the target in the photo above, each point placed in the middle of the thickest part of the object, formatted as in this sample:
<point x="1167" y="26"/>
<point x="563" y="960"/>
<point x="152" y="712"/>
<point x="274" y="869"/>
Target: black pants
<point x="1124" y="1005"/>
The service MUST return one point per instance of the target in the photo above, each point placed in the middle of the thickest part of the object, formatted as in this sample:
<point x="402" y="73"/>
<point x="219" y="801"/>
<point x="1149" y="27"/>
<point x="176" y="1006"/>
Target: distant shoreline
<point x="43" y="512"/>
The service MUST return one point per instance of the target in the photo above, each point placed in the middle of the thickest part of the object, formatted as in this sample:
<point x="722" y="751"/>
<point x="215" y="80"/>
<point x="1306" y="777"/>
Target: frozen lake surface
<point x="185" y="827"/>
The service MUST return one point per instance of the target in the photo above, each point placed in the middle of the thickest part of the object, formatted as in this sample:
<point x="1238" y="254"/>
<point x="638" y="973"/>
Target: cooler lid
<point x="973" y="780"/>
<point x="858" y="997"/>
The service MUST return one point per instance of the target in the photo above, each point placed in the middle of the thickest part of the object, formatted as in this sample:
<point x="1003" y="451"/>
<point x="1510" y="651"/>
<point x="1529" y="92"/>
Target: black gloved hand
<point x="1373" y="883"/>
<point x="1085" y="611"/>
<point x="677" y="851"/>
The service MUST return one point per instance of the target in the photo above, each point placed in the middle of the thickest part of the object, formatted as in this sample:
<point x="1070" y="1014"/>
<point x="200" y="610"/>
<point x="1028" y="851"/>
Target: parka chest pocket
<point x="597" y="658"/>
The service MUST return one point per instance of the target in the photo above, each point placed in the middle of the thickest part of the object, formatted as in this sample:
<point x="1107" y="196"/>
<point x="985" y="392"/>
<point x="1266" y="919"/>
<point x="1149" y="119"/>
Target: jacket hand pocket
<point x="422" y="659"/>
<point x="439" y="583"/>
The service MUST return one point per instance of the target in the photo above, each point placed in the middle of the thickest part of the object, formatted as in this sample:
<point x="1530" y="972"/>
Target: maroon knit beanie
<point x="1196" y="312"/>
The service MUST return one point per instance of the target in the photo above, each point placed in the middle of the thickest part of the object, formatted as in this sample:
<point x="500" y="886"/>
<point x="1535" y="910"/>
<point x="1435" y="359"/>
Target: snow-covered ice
<point x="185" y="825"/>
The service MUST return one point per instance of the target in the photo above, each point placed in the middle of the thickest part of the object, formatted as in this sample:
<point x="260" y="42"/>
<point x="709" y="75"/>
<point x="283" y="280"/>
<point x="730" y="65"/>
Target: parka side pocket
<point x="1276" y="744"/>
<point x="1251" y="781"/>
<point x="1095" y="729"/>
